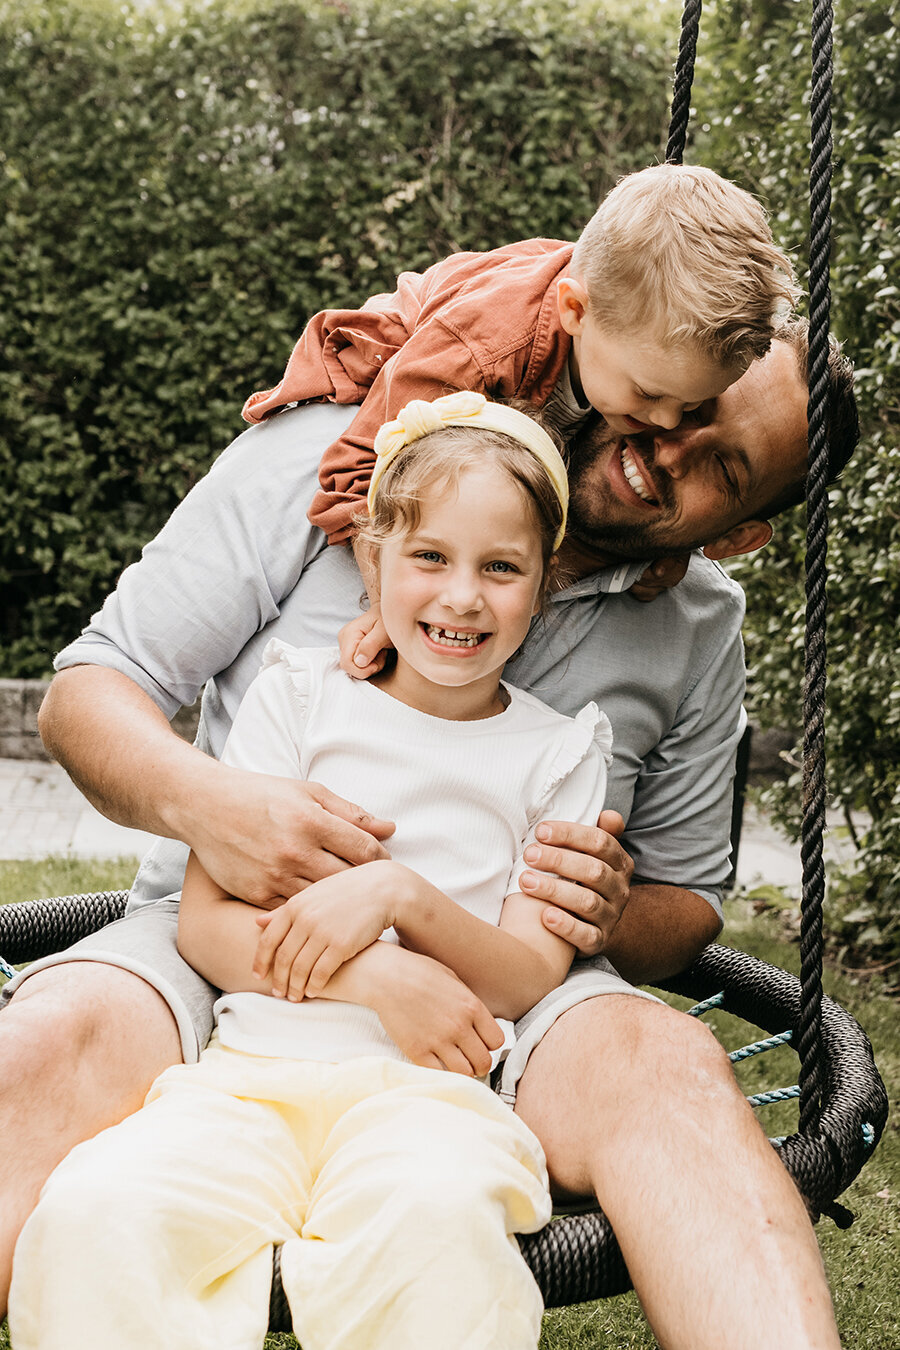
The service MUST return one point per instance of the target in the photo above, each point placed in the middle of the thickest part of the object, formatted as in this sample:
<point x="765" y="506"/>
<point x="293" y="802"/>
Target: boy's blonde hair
<point x="688" y="257"/>
<point x="440" y="458"/>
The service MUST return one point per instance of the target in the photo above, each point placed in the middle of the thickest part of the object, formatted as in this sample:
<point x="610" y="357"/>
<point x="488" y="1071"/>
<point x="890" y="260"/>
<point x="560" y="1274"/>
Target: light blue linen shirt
<point x="238" y="563"/>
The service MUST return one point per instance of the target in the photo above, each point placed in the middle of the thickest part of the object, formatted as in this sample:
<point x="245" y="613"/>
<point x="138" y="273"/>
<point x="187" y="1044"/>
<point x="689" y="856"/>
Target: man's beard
<point x="594" y="509"/>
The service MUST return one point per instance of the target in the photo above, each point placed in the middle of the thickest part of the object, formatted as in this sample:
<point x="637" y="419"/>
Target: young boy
<point x="667" y="297"/>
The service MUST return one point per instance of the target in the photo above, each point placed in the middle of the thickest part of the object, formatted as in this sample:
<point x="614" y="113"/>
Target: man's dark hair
<point x="841" y="416"/>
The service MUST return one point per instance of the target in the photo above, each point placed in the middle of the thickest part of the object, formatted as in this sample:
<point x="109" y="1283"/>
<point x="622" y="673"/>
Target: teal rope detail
<point x="6" y="970"/>
<point x="759" y="1047"/>
<point x="778" y="1095"/>
<point x="700" y="1008"/>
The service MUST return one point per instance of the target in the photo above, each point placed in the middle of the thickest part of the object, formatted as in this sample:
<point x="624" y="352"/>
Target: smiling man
<point x="712" y="482"/>
<point x="632" y="1101"/>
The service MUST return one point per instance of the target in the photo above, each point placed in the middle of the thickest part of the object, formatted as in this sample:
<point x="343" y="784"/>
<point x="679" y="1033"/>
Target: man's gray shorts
<point x="144" y="942"/>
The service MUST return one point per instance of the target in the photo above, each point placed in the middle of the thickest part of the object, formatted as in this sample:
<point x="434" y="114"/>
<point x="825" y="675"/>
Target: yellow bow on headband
<point x="469" y="409"/>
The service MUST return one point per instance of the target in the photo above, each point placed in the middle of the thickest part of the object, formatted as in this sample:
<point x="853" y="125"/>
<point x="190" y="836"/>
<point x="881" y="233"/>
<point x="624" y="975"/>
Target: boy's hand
<point x="660" y="576"/>
<point x="436" y="1019"/>
<point x="585" y="876"/>
<point x="311" y="935"/>
<point x="364" y="645"/>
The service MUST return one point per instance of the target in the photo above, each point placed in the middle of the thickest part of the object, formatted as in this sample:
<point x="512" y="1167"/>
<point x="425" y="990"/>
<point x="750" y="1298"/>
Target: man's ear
<point x="744" y="538"/>
<point x="572" y="303"/>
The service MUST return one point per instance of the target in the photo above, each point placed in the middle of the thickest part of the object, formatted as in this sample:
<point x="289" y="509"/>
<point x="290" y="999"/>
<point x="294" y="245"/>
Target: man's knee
<point x="70" y="1014"/>
<point x="619" y="1040"/>
<point x="617" y="1063"/>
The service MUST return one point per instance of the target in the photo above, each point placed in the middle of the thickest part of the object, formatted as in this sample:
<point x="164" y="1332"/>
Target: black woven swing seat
<point x="577" y="1258"/>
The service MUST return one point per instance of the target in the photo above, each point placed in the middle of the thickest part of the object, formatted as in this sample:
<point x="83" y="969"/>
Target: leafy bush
<point x="182" y="190"/>
<point x="751" y="101"/>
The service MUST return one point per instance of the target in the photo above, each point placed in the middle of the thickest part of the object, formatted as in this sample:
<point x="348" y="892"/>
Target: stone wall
<point x="19" y="704"/>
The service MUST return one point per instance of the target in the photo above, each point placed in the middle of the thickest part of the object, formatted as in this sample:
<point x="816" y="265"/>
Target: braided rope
<point x="774" y="1095"/>
<point x="809" y="1038"/>
<point x="683" y="80"/>
<point x="760" y="1047"/>
<point x="707" y="1005"/>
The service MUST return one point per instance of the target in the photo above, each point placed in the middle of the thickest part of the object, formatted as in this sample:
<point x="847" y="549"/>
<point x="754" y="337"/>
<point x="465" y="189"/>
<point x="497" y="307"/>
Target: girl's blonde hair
<point x="687" y="257"/>
<point x="440" y="458"/>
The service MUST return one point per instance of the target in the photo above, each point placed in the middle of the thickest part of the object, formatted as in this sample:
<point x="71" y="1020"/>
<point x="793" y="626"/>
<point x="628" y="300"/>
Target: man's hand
<point x="660" y="576"/>
<point x="436" y="1019"/>
<point x="314" y="933"/>
<point x="364" y="645"/>
<point x="272" y="837"/>
<point x="589" y="881"/>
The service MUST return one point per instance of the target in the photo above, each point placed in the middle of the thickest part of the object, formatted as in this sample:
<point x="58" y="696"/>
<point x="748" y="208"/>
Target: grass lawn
<point x="862" y="1262"/>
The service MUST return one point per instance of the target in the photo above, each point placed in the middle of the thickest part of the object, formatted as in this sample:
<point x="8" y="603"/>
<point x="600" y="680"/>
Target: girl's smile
<point x="460" y="640"/>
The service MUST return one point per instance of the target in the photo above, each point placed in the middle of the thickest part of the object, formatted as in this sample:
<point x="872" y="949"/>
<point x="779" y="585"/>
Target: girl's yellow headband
<point x="468" y="409"/>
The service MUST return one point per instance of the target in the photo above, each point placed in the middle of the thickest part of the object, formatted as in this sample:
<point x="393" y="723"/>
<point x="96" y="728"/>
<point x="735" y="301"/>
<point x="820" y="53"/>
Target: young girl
<point x="322" y="1116"/>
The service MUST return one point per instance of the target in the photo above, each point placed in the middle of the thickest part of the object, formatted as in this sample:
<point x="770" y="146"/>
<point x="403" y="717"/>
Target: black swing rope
<point x="683" y="80"/>
<point x="813" y="828"/>
<point x="809" y="1038"/>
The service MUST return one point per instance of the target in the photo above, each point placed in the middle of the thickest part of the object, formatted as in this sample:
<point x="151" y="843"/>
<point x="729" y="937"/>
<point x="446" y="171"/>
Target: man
<point x="633" y="1102"/>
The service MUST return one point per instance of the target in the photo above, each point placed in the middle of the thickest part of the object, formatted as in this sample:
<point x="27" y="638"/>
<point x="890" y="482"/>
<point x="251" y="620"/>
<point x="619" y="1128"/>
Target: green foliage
<point x="182" y="187"/>
<point x="751" y="101"/>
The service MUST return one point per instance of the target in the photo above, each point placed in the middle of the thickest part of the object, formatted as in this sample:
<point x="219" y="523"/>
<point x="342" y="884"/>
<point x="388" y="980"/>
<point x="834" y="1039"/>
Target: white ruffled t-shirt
<point x="465" y="796"/>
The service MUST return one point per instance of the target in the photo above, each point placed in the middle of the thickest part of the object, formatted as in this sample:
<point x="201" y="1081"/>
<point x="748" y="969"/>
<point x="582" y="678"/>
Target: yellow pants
<point x="395" y="1191"/>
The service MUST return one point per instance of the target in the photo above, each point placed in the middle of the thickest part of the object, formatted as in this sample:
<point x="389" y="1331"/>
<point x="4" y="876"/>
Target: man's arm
<point x="218" y="574"/>
<point x="663" y="929"/>
<point x="265" y="836"/>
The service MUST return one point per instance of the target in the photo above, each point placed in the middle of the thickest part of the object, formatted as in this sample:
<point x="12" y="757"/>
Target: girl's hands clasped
<point x="313" y="934"/>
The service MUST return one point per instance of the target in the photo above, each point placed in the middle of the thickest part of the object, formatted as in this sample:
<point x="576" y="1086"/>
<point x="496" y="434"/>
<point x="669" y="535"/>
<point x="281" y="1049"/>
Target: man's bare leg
<point x="80" y="1045"/>
<point x="637" y="1104"/>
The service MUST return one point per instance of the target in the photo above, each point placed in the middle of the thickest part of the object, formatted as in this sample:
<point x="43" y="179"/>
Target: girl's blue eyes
<point x="497" y="566"/>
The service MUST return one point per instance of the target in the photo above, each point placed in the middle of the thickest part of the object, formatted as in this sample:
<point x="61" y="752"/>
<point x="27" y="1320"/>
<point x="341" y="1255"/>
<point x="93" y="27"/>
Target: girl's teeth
<point x="633" y="474"/>
<point x="450" y="638"/>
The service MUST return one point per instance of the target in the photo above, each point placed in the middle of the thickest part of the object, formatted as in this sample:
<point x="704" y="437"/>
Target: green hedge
<point x="181" y="192"/>
<point x="751" y="103"/>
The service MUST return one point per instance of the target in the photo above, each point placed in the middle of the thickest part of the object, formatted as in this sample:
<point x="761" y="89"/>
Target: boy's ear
<point x="572" y="302"/>
<point x="744" y="538"/>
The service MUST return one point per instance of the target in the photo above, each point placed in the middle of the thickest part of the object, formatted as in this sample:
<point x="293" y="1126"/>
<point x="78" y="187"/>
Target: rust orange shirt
<point x="483" y="321"/>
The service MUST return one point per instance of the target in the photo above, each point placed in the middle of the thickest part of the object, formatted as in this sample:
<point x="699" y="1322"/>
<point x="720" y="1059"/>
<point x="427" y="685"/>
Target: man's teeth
<point x="450" y="638"/>
<point x="635" y="477"/>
